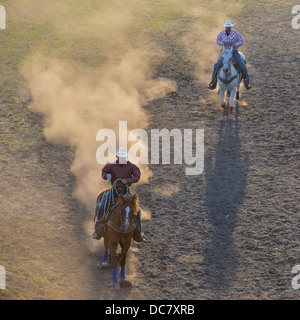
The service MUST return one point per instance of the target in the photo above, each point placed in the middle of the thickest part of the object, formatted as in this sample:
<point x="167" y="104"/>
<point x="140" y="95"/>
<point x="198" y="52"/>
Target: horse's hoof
<point x="116" y="285"/>
<point x="223" y="105"/>
<point x="230" y="116"/>
<point x="105" y="266"/>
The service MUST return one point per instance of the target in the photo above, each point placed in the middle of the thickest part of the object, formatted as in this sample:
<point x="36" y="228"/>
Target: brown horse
<point x="119" y="229"/>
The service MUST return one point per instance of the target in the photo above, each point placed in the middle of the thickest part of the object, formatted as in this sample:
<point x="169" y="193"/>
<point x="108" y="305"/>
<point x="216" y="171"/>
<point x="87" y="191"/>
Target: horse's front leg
<point x="125" y="245"/>
<point x="112" y="250"/>
<point x="222" y="93"/>
<point x="105" y="260"/>
<point x="232" y="94"/>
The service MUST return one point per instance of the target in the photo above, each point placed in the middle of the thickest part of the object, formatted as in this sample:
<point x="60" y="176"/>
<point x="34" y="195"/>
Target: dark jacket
<point x="128" y="171"/>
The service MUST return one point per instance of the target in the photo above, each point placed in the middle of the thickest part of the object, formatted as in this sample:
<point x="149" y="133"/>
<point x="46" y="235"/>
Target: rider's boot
<point x="213" y="84"/>
<point x="97" y="235"/>
<point x="139" y="234"/>
<point x="214" y="78"/>
<point x="247" y="84"/>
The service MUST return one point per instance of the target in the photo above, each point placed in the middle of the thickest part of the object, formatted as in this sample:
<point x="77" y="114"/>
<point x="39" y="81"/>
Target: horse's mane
<point x="136" y="204"/>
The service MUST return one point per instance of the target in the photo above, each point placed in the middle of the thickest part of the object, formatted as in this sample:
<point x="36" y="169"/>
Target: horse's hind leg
<point x="237" y="96"/>
<point x="232" y="94"/>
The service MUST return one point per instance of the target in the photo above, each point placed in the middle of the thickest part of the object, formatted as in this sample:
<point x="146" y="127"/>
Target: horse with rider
<point x="121" y="175"/>
<point x="230" y="38"/>
<point x="117" y="213"/>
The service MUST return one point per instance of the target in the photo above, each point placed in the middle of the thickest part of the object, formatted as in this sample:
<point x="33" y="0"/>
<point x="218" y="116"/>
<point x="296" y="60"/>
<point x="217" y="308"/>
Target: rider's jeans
<point x="239" y="61"/>
<point x="108" y="199"/>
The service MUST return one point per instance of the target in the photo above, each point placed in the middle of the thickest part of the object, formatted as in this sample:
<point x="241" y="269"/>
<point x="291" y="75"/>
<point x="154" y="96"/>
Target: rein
<point x="110" y="189"/>
<point x="116" y="227"/>
<point x="227" y="81"/>
<point x="115" y="205"/>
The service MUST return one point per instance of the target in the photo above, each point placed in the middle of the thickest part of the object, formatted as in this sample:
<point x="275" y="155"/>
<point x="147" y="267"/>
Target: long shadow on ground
<point x="225" y="191"/>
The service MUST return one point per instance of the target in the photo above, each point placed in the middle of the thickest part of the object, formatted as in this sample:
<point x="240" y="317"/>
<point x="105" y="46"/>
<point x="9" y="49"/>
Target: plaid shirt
<point x="234" y="37"/>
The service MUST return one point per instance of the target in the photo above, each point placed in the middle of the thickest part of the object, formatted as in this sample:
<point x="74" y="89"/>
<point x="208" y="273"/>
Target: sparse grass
<point x="2" y="159"/>
<point x="6" y="295"/>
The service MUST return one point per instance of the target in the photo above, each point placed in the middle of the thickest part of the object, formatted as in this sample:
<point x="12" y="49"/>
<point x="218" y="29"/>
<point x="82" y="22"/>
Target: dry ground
<point x="229" y="233"/>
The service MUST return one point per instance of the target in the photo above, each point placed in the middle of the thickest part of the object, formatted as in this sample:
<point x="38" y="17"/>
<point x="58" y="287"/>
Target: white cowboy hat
<point x="122" y="153"/>
<point x="228" y="24"/>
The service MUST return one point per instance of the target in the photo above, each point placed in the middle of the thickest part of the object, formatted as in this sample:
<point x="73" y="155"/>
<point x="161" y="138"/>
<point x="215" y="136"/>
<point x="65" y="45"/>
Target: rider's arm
<point x="106" y="170"/>
<point x="239" y="40"/>
<point x="220" y="39"/>
<point x="136" y="174"/>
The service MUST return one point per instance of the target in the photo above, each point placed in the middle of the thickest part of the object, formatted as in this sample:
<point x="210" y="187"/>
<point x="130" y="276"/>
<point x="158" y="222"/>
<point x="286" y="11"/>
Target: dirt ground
<point x="230" y="233"/>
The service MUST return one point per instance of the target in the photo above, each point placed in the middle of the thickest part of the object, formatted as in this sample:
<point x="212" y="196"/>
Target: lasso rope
<point x="109" y="193"/>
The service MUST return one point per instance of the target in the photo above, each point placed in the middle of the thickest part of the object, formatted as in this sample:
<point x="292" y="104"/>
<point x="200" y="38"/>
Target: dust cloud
<point x="92" y="69"/>
<point x="78" y="99"/>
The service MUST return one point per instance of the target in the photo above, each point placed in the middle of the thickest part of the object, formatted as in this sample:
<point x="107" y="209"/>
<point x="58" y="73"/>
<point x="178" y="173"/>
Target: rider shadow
<point x="225" y="191"/>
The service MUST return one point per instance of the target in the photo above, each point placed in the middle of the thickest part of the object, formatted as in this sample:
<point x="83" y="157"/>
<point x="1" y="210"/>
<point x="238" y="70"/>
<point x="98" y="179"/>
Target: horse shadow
<point x="225" y="191"/>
